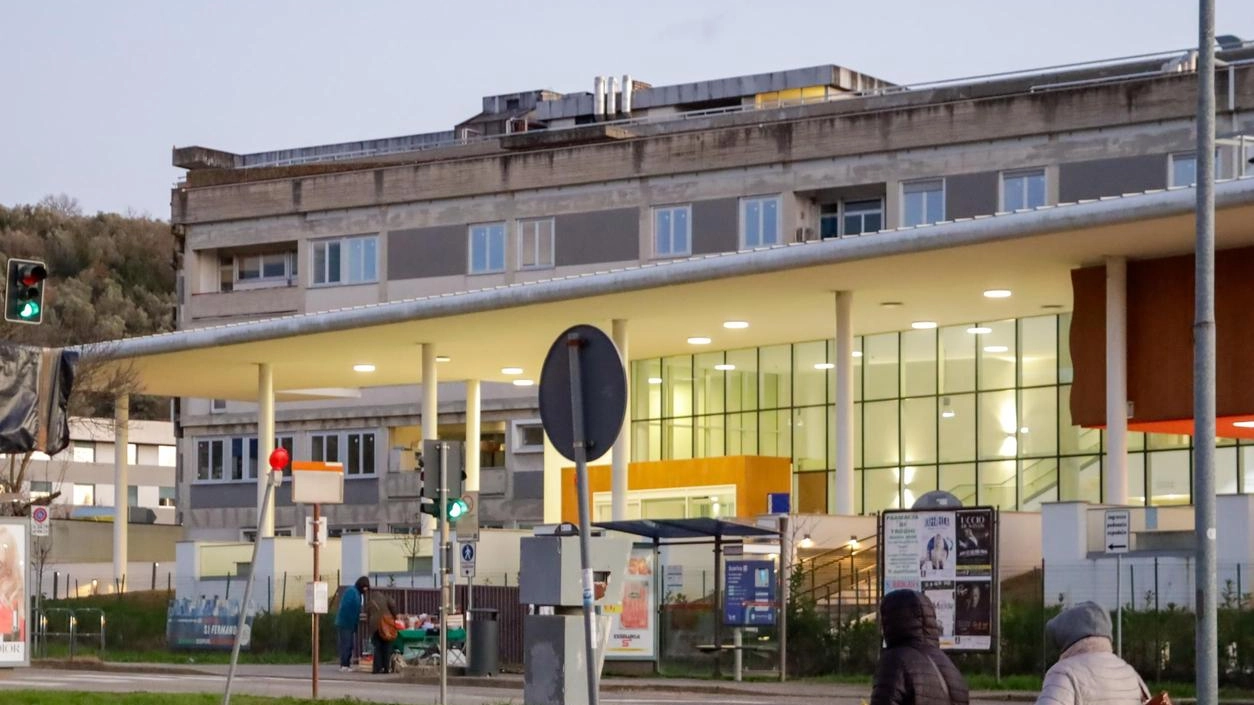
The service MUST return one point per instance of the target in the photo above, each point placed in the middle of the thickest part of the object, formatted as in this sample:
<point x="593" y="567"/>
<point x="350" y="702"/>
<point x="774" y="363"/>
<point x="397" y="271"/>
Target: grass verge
<point x="44" y="697"/>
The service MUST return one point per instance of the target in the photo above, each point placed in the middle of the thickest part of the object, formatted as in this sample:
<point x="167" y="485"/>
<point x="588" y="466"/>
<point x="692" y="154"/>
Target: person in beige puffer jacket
<point x="1088" y="672"/>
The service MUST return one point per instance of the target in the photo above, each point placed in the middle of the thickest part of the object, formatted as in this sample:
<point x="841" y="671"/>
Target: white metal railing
<point x="778" y="104"/>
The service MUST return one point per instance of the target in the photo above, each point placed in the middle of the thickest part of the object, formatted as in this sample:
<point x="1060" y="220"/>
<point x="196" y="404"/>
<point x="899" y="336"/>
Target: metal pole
<point x="314" y="616"/>
<point x="470" y="605"/>
<point x="248" y="590"/>
<point x="573" y="343"/>
<point x="442" y="508"/>
<point x="785" y="540"/>
<point x="738" y="657"/>
<point x="1119" y="604"/>
<point x="718" y="604"/>
<point x="1204" y="365"/>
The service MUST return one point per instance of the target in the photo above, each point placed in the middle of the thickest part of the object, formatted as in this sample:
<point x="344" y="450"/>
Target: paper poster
<point x="632" y="629"/>
<point x="948" y="556"/>
<point x="14" y="639"/>
<point x="749" y="595"/>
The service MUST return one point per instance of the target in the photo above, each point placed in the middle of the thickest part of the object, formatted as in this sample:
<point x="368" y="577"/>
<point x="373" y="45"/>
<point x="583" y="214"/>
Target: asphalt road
<point x="372" y="689"/>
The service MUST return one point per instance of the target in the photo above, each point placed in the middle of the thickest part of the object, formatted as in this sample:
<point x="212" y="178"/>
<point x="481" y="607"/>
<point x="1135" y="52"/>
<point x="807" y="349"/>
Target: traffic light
<point x="429" y="469"/>
<point x="24" y="291"/>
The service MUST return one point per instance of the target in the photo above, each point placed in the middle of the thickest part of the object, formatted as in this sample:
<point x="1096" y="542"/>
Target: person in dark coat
<point x="912" y="668"/>
<point x="378" y="607"/>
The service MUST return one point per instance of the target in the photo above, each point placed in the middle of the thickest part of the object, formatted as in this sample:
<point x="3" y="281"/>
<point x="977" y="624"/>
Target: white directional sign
<point x="468" y="559"/>
<point x="1118" y="530"/>
<point x="39" y="521"/>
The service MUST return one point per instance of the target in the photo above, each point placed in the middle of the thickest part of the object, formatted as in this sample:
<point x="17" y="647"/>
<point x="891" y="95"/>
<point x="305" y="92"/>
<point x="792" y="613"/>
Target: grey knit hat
<point x="1073" y="624"/>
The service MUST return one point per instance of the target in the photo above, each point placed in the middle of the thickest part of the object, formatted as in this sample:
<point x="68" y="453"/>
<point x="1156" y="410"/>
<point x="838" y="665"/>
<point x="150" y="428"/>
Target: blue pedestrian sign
<point x="468" y="560"/>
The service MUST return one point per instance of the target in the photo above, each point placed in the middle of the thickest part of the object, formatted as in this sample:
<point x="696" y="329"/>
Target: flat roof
<point x="785" y="292"/>
<point x="678" y="529"/>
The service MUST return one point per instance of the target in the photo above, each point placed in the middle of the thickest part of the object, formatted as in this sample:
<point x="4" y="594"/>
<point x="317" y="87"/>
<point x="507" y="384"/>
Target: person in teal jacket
<point x="347" y="617"/>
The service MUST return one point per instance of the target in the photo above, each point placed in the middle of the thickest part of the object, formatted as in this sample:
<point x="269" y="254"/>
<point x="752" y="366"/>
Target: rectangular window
<point x="209" y="460"/>
<point x="238" y="460"/>
<point x="259" y="268"/>
<point x="84" y="495"/>
<point x="1022" y="189"/>
<point x="922" y="202"/>
<point x="829" y="220"/>
<point x="167" y="456"/>
<point x="528" y="437"/>
<point x="285" y="442"/>
<point x="863" y="217"/>
<point x="1182" y="168"/>
<point x="672" y="231"/>
<point x="217" y="406"/>
<point x="487" y="248"/>
<point x="535" y="244"/>
<point x="759" y="221"/>
<point x="346" y="260"/>
<point x="132" y="495"/>
<point x="40" y="488"/>
<point x="83" y="452"/>
<point x="167" y="496"/>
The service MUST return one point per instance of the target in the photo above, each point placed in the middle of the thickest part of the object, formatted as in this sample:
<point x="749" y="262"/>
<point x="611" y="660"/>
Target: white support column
<point x="430" y="395"/>
<point x="121" y="515"/>
<point x="622" y="444"/>
<point x="1116" y="470"/>
<point x="474" y="435"/>
<point x="844" y="404"/>
<point x="265" y="444"/>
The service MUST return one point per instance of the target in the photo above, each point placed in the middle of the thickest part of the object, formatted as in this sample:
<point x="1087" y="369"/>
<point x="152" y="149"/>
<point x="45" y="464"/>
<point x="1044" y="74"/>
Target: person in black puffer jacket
<point x="912" y="668"/>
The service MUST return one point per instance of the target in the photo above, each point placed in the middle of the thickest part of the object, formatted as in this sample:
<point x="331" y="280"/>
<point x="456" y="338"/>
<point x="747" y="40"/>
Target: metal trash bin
<point x="484" y="641"/>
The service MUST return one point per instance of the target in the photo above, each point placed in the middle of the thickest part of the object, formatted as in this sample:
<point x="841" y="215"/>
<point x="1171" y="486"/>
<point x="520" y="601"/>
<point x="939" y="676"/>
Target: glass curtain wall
<point x="981" y="410"/>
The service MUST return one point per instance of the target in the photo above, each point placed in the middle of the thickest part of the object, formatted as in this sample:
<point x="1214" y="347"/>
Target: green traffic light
<point x="29" y="310"/>
<point x="457" y="509"/>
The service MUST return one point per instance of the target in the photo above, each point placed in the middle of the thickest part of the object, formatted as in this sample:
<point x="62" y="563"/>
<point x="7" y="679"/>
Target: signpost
<point x="316" y="483"/>
<point x="39" y="521"/>
<point x="1118" y="541"/>
<point x="583" y="398"/>
<point x="468" y="559"/>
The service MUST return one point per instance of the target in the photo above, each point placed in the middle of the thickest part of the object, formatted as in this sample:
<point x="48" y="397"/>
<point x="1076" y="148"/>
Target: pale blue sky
<point x="94" y="94"/>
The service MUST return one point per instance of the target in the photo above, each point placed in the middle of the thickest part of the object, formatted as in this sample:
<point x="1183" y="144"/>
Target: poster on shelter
<point x="936" y="546"/>
<point x="975" y="538"/>
<point x="900" y="540"/>
<point x="14" y="639"/>
<point x="633" y="628"/>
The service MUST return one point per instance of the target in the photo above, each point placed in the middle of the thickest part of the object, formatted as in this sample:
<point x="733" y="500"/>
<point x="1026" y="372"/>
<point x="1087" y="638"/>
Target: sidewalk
<point x="514" y="681"/>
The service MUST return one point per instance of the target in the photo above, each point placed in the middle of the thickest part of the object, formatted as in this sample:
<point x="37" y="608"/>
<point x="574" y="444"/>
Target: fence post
<point x="284" y="600"/>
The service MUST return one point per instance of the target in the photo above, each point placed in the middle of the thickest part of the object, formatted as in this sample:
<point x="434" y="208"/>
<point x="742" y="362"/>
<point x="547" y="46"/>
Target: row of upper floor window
<point x="92" y="452"/>
<point x="85" y="494"/>
<point x="348" y="260"/>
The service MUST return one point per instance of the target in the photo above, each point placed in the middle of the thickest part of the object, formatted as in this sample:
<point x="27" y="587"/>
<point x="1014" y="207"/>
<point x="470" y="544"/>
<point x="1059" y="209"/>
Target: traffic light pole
<point x="445" y="555"/>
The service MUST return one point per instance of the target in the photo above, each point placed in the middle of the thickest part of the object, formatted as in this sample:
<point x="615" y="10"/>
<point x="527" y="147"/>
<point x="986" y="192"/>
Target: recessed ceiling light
<point x="735" y="325"/>
<point x="511" y="370"/>
<point x="655" y="380"/>
<point x="857" y="353"/>
<point x="923" y="325"/>
<point x="996" y="349"/>
<point x="823" y="365"/>
<point x="948" y="414"/>
<point x="997" y="294"/>
<point x="890" y="304"/>
<point x="1243" y="424"/>
<point x="1023" y="430"/>
<point x="979" y="330"/>
<point x="442" y="358"/>
<point x="1052" y="307"/>
<point x="524" y="382"/>
<point x="724" y="367"/>
<point x="363" y="368"/>
<point x="698" y="340"/>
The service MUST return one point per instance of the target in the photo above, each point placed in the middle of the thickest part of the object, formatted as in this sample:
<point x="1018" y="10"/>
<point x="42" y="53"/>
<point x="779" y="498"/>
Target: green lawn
<point x="44" y="697"/>
<point x="60" y="652"/>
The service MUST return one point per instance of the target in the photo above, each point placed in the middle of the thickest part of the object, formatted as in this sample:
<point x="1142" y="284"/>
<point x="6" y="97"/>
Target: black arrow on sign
<point x="1112" y="547"/>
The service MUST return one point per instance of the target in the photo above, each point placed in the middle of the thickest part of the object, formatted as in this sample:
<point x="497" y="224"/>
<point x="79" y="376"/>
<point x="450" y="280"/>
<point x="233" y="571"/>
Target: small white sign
<point x="468" y="554"/>
<point x="40" y="521"/>
<point x="316" y="598"/>
<point x="1118" y="530"/>
<point x="318" y="537"/>
<point x="674" y="577"/>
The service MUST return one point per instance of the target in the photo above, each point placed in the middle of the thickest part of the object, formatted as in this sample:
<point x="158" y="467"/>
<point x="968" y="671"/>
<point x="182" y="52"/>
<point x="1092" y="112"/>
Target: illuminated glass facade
<point x="980" y="410"/>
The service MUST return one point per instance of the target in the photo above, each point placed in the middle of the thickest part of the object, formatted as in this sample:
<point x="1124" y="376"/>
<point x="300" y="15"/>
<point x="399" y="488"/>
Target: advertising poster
<point x="633" y="629"/>
<point x="14" y="639"/>
<point x="749" y="597"/>
<point x="207" y="623"/>
<point x="950" y="557"/>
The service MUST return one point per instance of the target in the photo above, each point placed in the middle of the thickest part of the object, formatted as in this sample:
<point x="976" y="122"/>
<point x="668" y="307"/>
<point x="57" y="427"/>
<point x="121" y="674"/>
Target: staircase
<point x="843" y="583"/>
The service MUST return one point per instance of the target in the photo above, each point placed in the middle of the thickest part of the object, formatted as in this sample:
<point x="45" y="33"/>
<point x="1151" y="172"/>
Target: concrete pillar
<point x="622" y="444"/>
<point x="121" y="516"/>
<point x="1116" y="469"/>
<point x="265" y="444"/>
<point x="844" y="404"/>
<point x="430" y="395"/>
<point x="473" y="434"/>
